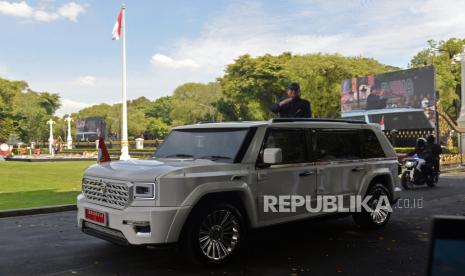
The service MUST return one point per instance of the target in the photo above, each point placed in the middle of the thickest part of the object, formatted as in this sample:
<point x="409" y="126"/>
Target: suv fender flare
<point x="213" y="188"/>
<point x="384" y="173"/>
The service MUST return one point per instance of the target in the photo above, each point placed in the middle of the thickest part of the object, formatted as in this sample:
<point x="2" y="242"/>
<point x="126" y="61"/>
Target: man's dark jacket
<point x="297" y="108"/>
<point x="436" y="149"/>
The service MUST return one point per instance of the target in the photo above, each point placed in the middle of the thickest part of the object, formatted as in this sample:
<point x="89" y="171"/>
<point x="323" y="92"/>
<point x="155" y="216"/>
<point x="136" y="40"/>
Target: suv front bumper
<point x="134" y="225"/>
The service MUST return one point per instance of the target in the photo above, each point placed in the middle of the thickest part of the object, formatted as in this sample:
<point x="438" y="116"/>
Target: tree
<point x="160" y="108"/>
<point x="8" y="129"/>
<point x="156" y="129"/>
<point x="320" y="77"/>
<point x="193" y="102"/>
<point x="49" y="102"/>
<point x="227" y="109"/>
<point x="24" y="112"/>
<point x="252" y="84"/>
<point x="137" y="122"/>
<point x="9" y="117"/>
<point x="140" y="102"/>
<point x="448" y="76"/>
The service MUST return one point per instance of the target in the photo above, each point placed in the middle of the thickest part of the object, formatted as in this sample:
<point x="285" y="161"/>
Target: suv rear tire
<point x="213" y="234"/>
<point x="376" y="218"/>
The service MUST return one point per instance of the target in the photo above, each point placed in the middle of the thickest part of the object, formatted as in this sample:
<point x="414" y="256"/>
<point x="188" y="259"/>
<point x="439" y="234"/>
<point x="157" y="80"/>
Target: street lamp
<point x="50" y="139"/>
<point x="69" y="139"/>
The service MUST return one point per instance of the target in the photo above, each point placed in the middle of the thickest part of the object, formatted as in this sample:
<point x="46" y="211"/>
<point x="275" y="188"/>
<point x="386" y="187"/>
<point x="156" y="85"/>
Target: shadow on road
<point x="321" y="247"/>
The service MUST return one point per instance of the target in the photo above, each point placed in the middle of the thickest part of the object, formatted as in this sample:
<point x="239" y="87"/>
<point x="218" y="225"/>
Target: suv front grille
<point x="107" y="193"/>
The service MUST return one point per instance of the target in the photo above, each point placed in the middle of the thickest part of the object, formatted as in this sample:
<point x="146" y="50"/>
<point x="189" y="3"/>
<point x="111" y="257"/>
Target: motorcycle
<point x="417" y="172"/>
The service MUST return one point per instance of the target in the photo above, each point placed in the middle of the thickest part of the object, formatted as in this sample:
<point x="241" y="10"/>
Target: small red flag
<point x="103" y="155"/>
<point x="381" y="123"/>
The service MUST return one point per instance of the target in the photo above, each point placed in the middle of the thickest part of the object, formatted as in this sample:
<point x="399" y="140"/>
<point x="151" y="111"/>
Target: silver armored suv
<point x="207" y="184"/>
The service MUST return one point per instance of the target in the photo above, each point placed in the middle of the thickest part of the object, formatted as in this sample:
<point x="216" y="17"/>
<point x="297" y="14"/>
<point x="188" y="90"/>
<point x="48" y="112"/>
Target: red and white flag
<point x="381" y="123"/>
<point x="103" y="155"/>
<point x="117" y="28"/>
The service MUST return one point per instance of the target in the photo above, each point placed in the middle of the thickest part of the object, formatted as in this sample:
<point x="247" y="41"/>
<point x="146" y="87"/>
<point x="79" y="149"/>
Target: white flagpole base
<point x="124" y="153"/>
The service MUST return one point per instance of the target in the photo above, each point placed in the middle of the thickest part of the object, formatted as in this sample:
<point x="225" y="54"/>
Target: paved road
<point x="52" y="245"/>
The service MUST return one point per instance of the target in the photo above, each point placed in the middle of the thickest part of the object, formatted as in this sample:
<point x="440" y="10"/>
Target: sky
<point x="65" y="47"/>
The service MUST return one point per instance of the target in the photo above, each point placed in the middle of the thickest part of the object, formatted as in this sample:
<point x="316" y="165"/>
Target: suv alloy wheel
<point x="376" y="218"/>
<point x="213" y="234"/>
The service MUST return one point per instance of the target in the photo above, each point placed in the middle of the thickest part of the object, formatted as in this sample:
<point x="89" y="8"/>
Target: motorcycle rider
<point x="424" y="153"/>
<point x="435" y="150"/>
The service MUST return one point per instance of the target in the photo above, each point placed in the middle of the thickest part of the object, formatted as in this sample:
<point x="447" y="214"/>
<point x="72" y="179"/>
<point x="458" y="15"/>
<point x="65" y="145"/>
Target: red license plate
<point x="95" y="216"/>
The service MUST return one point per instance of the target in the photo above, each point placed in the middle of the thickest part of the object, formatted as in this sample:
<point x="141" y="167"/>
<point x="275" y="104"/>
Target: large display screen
<point x="89" y="129"/>
<point x="393" y="92"/>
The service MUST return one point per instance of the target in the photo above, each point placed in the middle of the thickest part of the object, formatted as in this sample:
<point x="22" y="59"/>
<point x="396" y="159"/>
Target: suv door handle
<point x="305" y="173"/>
<point x="358" y="169"/>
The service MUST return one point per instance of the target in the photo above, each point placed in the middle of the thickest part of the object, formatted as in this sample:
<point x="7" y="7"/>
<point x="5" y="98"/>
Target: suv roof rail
<point x="206" y="122"/>
<point x="288" y="120"/>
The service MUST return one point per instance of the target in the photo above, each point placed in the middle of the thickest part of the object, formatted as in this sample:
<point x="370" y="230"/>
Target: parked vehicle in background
<point x="394" y="118"/>
<point x="409" y="123"/>
<point x="208" y="183"/>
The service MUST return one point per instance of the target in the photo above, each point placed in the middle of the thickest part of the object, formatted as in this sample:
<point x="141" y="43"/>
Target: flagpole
<point x="124" y="111"/>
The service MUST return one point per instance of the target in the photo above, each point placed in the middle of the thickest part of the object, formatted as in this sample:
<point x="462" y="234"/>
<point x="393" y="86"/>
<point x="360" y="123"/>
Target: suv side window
<point x="291" y="141"/>
<point x="337" y="144"/>
<point x="371" y="147"/>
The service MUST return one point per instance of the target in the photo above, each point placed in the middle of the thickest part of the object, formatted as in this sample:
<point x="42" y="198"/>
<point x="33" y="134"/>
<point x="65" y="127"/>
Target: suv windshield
<point x="212" y="143"/>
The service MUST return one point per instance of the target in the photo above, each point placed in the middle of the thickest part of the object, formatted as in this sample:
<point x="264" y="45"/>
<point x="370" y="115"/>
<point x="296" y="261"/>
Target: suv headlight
<point x="144" y="190"/>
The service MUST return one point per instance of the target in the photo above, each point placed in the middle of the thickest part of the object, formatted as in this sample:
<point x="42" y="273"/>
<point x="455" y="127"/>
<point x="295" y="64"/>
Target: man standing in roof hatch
<point x="292" y="106"/>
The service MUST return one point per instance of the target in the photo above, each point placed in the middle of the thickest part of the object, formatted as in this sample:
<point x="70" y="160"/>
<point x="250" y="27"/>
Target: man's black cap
<point x="293" y="86"/>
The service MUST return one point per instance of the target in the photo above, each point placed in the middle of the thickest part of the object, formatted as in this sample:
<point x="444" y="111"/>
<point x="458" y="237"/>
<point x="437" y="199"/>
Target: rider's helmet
<point x="430" y="139"/>
<point x="421" y="143"/>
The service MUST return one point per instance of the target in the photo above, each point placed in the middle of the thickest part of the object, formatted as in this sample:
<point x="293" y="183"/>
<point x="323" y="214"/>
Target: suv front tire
<point x="213" y="234"/>
<point x="374" y="219"/>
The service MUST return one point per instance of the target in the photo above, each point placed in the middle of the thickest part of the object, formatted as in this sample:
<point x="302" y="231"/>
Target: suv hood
<point x="140" y="170"/>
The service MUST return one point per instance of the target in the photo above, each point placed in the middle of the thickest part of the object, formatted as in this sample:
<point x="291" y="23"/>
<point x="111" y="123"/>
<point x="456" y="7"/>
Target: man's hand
<point x="284" y="102"/>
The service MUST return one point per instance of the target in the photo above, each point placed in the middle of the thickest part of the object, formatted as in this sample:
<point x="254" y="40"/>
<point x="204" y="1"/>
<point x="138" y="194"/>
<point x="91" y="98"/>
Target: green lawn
<point x="29" y="184"/>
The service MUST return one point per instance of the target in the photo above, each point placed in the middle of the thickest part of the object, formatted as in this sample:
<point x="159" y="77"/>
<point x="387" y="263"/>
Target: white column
<point x="124" y="111"/>
<point x="139" y="143"/>
<point x="50" y="139"/>
<point x="461" y="119"/>
<point x="69" y="140"/>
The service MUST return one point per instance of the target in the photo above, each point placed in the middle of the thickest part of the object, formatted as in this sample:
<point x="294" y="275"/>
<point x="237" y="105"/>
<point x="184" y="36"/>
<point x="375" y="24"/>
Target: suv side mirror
<point x="272" y="156"/>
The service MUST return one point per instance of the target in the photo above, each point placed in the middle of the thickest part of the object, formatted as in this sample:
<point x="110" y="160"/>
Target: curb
<point x="37" y="211"/>
<point x="453" y="169"/>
